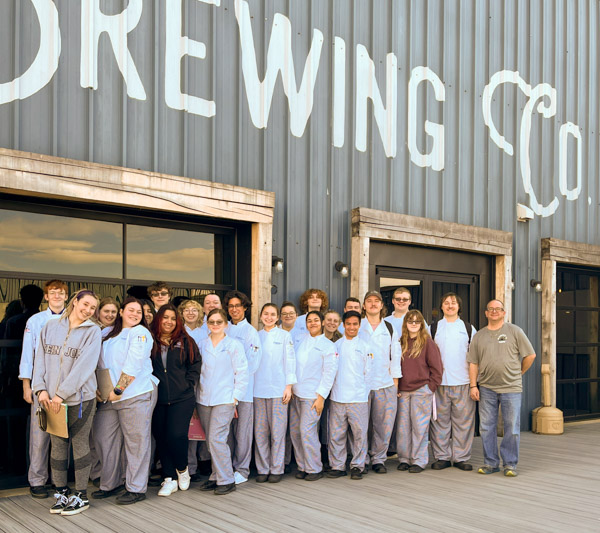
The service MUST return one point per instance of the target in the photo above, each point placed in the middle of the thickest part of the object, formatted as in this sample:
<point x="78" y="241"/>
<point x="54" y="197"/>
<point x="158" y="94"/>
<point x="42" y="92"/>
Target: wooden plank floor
<point x="558" y="489"/>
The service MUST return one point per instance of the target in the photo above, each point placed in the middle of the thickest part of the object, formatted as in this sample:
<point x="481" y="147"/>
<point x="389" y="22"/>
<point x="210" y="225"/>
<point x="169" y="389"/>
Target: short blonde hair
<point x="191" y="303"/>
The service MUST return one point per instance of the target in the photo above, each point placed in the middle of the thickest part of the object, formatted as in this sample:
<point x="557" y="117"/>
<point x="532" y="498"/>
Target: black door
<point x="577" y="342"/>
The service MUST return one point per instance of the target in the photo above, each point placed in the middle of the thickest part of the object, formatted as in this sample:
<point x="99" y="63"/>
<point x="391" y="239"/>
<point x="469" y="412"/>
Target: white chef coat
<point x="244" y="332"/>
<point x="277" y="367"/>
<point x="316" y="365"/>
<point x="352" y="381"/>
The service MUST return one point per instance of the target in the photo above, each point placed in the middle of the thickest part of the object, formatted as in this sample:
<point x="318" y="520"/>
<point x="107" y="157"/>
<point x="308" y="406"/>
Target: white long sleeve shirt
<point x="31" y="337"/>
<point x="299" y="327"/>
<point x="198" y="334"/>
<point x="352" y="381"/>
<point x="244" y="332"/>
<point x="277" y="367"/>
<point x="224" y="373"/>
<point x="316" y="366"/>
<point x="129" y="353"/>
<point x="387" y="354"/>
<point x="453" y="341"/>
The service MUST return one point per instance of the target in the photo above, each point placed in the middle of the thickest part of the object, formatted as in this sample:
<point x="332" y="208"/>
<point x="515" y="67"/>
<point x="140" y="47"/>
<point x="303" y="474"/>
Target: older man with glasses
<point x="498" y="357"/>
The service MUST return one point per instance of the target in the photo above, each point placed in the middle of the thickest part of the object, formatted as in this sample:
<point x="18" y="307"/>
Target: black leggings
<point x="170" y="426"/>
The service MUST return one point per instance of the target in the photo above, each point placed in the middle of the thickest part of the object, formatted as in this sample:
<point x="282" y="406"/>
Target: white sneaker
<point x="184" y="479"/>
<point x="239" y="478"/>
<point x="167" y="487"/>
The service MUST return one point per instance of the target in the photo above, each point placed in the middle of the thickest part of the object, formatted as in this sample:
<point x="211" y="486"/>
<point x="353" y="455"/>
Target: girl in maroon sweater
<point x="421" y="375"/>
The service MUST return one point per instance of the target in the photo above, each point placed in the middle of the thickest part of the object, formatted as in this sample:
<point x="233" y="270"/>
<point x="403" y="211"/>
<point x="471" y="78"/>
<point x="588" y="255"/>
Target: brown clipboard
<point x="105" y="384"/>
<point x="56" y="423"/>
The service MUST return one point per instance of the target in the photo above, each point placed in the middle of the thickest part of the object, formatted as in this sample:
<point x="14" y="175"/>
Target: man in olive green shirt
<point x="498" y="357"/>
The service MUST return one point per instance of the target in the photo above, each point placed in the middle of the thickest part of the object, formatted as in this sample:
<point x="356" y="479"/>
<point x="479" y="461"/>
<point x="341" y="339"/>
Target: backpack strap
<point x="433" y="329"/>
<point x="389" y="327"/>
<point x="469" y="328"/>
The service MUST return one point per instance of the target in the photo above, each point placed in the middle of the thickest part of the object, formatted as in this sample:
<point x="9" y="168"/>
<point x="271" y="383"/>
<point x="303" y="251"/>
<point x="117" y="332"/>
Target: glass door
<point x="427" y="288"/>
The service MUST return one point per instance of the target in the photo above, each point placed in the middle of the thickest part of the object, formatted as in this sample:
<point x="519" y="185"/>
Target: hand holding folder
<point x="56" y="423"/>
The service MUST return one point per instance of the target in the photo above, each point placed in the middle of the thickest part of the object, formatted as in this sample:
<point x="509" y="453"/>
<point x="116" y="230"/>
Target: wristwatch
<point x="118" y="391"/>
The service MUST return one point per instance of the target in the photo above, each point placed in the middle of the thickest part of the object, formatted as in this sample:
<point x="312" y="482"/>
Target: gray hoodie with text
<point x="66" y="360"/>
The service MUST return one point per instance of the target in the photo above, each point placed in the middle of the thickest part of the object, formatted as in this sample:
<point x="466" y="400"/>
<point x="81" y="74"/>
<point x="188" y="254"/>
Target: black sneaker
<point x="262" y="478"/>
<point x="336" y="473"/>
<point x="101" y="494"/>
<point x="440" y="464"/>
<point x="403" y="467"/>
<point x="314" y="477"/>
<point x="300" y="474"/>
<point x="415" y="469"/>
<point x="130" y="497"/>
<point x="39" y="492"/>
<point x="275" y="478"/>
<point x="224" y="489"/>
<point x="208" y="485"/>
<point x="62" y="499"/>
<point x="78" y="502"/>
<point x="355" y="473"/>
<point x="379" y="469"/>
<point x="195" y="478"/>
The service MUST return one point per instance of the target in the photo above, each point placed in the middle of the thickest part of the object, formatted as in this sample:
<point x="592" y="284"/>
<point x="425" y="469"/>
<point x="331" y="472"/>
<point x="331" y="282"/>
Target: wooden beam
<point x="549" y="322"/>
<point x="30" y="174"/>
<point x="575" y="253"/>
<point x="395" y="227"/>
<point x="262" y="243"/>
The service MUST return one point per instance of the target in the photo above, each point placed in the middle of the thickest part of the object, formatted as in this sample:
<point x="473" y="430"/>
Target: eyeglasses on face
<point x="494" y="310"/>
<point x="402" y="300"/>
<point x="160" y="293"/>
<point x="288" y="315"/>
<point x="235" y="306"/>
<point x="413" y="322"/>
<point x="215" y="322"/>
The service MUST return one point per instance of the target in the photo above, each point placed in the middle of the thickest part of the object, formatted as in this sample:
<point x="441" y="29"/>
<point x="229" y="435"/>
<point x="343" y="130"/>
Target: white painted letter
<point x="435" y="158"/>
<point x="339" y="91"/>
<point x="40" y="72"/>
<point x="565" y="130"/>
<point x="366" y="87"/>
<point x="93" y="24"/>
<point x="177" y="46"/>
<point x="279" y="59"/>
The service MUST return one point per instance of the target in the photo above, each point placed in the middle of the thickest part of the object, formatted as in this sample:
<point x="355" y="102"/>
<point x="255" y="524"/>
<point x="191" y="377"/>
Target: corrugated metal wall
<point x="464" y="42"/>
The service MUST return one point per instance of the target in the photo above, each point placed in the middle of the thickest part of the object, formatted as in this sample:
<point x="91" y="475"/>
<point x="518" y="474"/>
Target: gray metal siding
<point x="316" y="184"/>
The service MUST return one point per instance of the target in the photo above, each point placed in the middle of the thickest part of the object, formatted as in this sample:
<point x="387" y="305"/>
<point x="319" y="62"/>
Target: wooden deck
<point x="558" y="489"/>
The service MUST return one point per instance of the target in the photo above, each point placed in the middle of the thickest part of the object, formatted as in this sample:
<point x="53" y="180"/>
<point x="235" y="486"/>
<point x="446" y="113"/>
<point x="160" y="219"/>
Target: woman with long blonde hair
<point x="421" y="375"/>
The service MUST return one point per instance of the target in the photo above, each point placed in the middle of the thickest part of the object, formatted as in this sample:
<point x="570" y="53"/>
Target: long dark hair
<point x="118" y="325"/>
<point x="179" y="335"/>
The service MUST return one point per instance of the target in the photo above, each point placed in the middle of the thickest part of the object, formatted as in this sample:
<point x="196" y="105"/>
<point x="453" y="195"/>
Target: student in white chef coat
<point x="124" y="421"/>
<point x="311" y="300"/>
<point x="272" y="394"/>
<point x="383" y="401"/>
<point x="55" y="293"/>
<point x="316" y="366"/>
<point x="349" y="401"/>
<point x="223" y="381"/>
<point x="192" y="314"/>
<point x="237" y="304"/>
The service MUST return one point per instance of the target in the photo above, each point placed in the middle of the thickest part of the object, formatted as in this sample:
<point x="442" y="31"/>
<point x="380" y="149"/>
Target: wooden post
<point x="549" y="323"/>
<point x="262" y="246"/>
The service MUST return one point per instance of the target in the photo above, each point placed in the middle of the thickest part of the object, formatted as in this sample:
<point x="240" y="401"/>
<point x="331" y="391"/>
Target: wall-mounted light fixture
<point x="277" y="264"/>
<point x="537" y="285"/>
<point x="343" y="269"/>
<point x="273" y="289"/>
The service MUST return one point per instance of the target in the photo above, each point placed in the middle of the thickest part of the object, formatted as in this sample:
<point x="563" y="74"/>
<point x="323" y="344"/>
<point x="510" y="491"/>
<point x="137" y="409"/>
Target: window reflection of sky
<point x="175" y="255"/>
<point x="32" y="242"/>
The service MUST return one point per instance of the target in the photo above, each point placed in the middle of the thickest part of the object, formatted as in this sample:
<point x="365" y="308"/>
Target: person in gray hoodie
<point x="65" y="361"/>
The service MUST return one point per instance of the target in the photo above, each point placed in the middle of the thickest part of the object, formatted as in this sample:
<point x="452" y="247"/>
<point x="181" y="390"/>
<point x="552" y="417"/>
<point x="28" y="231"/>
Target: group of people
<point x="354" y="389"/>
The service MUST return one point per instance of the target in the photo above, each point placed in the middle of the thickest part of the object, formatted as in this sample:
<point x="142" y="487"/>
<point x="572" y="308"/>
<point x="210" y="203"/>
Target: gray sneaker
<point x="78" y="502"/>
<point x="487" y="469"/>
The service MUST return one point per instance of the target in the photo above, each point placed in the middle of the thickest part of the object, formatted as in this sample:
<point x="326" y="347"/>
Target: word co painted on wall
<point x="300" y="98"/>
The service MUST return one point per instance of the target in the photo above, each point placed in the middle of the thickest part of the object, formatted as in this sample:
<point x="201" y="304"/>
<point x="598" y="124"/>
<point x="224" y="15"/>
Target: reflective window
<point x="65" y="246"/>
<point x="170" y="254"/>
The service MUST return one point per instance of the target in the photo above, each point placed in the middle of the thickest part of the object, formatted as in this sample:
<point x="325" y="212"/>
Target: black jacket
<point x="179" y="379"/>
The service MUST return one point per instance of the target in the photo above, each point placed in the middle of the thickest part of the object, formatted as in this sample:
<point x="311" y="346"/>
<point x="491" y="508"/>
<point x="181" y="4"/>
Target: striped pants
<point x="216" y="421"/>
<point x="342" y="416"/>
<point x="414" y="414"/>
<point x="242" y="430"/>
<point x="125" y="426"/>
<point x="456" y="421"/>
<point x="382" y="413"/>
<point x="270" y="424"/>
<point x="304" y="432"/>
<point x="39" y="450"/>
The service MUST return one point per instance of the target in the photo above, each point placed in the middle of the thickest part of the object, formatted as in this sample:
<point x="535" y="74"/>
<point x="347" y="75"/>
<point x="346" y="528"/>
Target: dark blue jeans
<point x="488" y="421"/>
